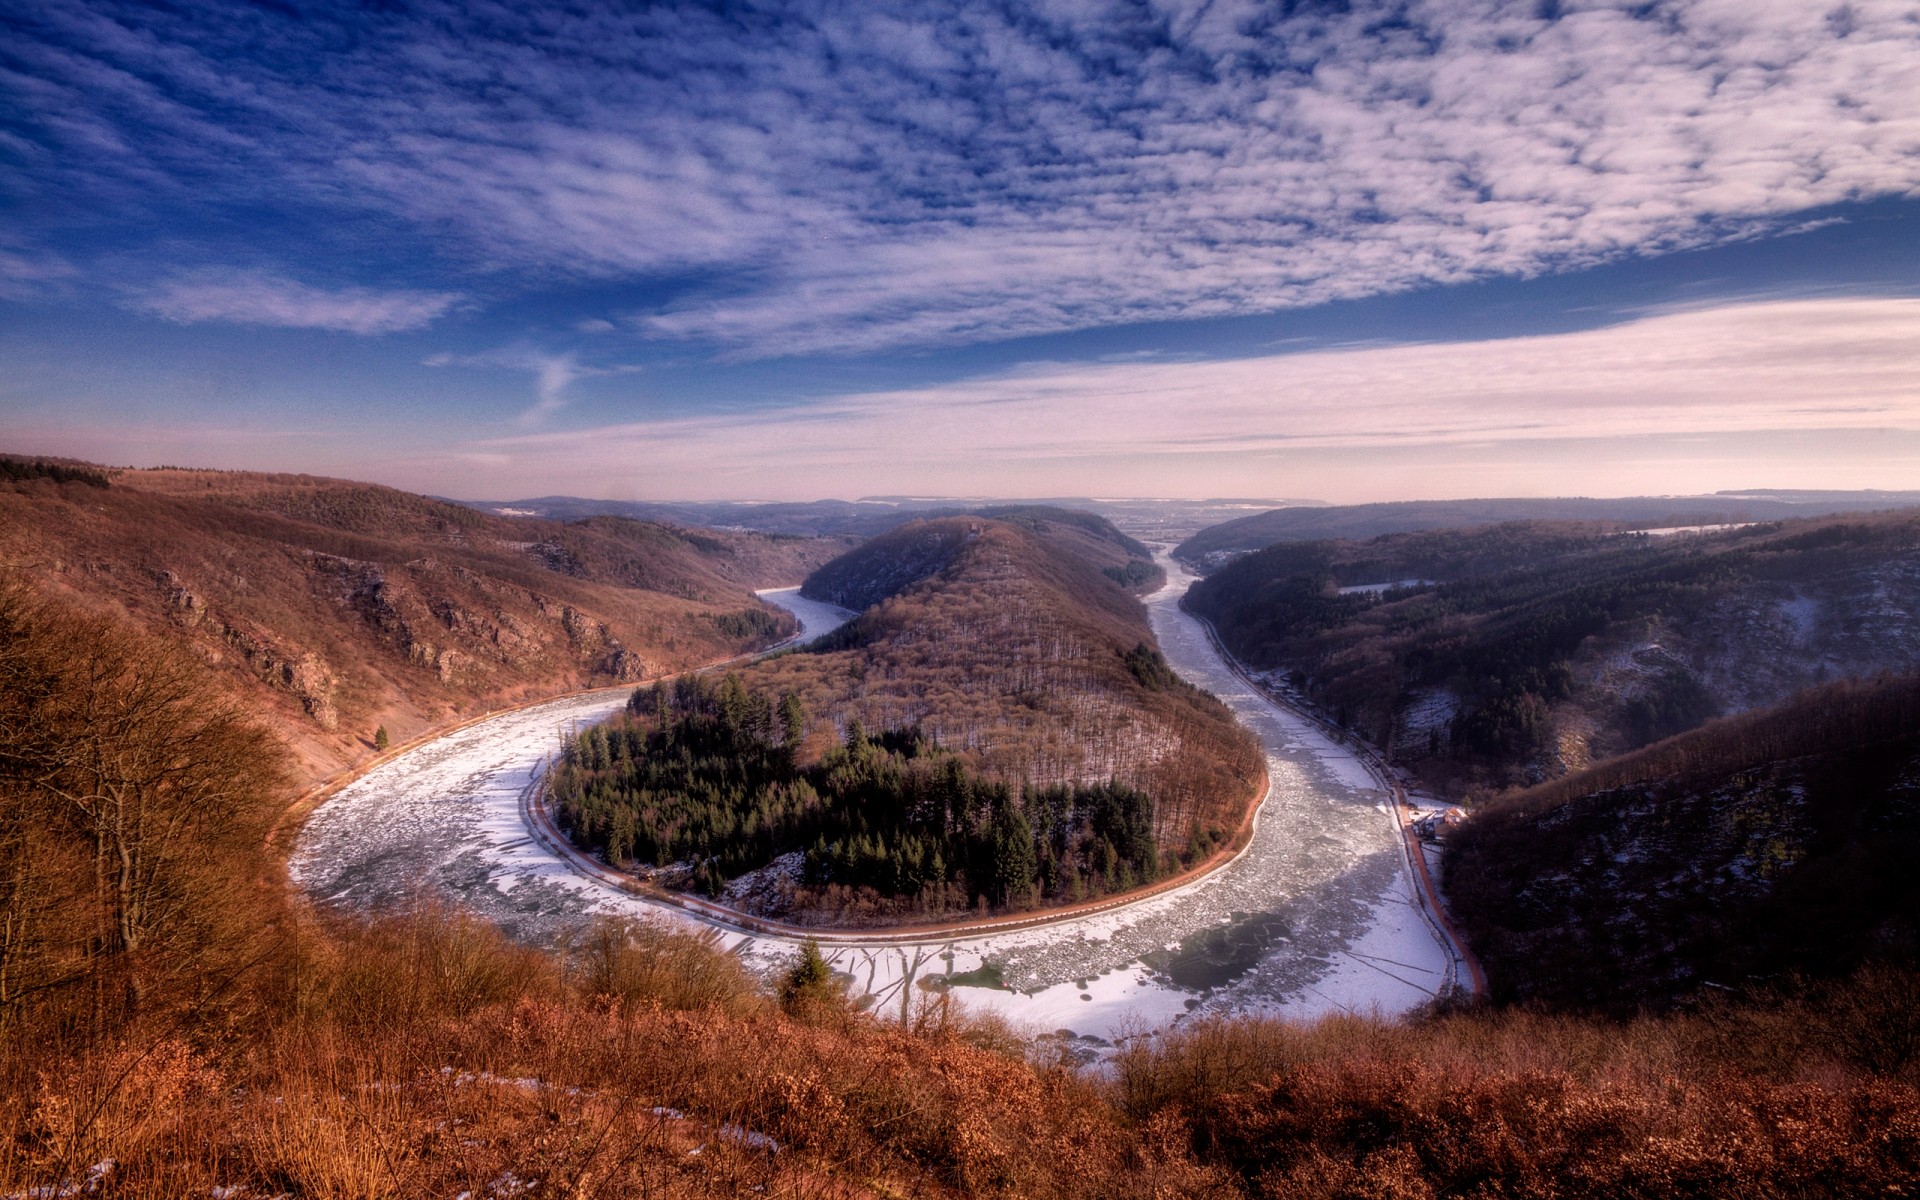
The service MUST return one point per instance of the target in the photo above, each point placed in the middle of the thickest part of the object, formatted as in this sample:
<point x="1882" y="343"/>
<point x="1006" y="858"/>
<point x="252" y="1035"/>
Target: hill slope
<point x="1020" y="652"/>
<point x="889" y="563"/>
<point x="333" y="607"/>
<point x="1774" y="843"/>
<point x="1516" y="653"/>
<point x="1005" y="662"/>
<point x="1217" y="543"/>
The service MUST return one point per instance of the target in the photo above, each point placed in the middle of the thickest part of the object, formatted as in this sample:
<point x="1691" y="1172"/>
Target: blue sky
<point x="1355" y="250"/>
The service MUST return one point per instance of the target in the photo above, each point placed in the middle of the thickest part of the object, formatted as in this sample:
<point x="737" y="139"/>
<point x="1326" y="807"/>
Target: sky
<point x="1350" y="250"/>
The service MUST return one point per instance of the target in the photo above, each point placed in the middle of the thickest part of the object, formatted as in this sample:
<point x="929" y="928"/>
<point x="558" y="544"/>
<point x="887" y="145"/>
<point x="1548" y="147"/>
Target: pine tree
<point x="793" y="720"/>
<point x="380" y="739"/>
<point x="809" y="981"/>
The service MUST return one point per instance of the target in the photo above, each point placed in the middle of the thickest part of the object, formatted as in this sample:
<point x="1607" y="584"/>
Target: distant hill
<point x="1509" y="654"/>
<point x="1765" y="846"/>
<point x="1358" y="521"/>
<point x="1164" y="520"/>
<point x="335" y="607"/>
<point x="890" y="562"/>
<point x="1009" y="644"/>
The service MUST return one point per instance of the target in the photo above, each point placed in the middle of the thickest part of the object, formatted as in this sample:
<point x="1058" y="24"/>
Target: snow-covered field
<point x="1317" y="914"/>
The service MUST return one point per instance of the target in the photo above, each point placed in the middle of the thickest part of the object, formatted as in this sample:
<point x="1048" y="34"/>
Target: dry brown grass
<point x="423" y="1054"/>
<point x="1748" y="1101"/>
<point x="474" y="1062"/>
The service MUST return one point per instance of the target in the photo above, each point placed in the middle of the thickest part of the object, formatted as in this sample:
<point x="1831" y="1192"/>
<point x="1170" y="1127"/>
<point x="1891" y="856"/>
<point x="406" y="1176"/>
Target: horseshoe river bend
<point x="1320" y="911"/>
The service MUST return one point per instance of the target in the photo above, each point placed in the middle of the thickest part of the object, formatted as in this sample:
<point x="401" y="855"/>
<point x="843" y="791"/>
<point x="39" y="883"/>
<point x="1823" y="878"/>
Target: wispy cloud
<point x="846" y="178"/>
<point x="27" y="273"/>
<point x="553" y="374"/>
<point x="252" y="298"/>
<point x="1188" y="428"/>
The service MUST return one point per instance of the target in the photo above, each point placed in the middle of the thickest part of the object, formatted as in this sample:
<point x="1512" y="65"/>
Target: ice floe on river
<point x="1318" y="914"/>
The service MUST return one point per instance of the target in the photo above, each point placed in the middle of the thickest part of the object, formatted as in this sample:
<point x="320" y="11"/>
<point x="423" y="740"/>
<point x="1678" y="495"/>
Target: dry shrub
<point x="123" y="1102"/>
<point x="648" y="962"/>
<point x="1409" y="1129"/>
<point x="432" y="961"/>
<point x="483" y="1074"/>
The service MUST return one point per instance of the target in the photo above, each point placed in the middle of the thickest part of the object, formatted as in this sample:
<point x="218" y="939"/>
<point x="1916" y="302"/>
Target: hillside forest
<point x="1760" y="848"/>
<point x="1511" y="654"/>
<point x="1000" y="688"/>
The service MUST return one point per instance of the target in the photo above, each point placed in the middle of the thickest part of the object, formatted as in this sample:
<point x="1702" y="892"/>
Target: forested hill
<point x="999" y="649"/>
<point x="332" y="608"/>
<point x="901" y="557"/>
<point x="1516" y="653"/>
<point x="1217" y="543"/>
<point x="1758" y="848"/>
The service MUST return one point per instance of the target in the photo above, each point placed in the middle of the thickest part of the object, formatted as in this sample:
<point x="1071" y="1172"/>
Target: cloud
<point x="254" y="298"/>
<point x="831" y="178"/>
<point x="552" y="373"/>
<point x="1786" y="368"/>
<point x="27" y="274"/>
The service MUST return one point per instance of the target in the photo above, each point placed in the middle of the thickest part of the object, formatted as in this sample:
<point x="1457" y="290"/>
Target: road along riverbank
<point x="1318" y="912"/>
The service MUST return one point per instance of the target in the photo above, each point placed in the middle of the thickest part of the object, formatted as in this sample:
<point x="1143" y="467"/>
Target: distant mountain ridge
<point x="1210" y="546"/>
<point x="1168" y="520"/>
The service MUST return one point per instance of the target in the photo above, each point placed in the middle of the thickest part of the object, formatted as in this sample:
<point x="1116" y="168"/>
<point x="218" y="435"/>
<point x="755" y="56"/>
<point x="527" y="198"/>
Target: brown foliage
<point x="1512" y="1103"/>
<point x="330" y="608"/>
<point x="133" y="800"/>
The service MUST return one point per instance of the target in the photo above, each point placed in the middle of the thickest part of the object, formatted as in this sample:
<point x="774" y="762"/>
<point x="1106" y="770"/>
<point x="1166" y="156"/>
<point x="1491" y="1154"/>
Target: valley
<point x="1316" y="914"/>
<point x="1685" y="936"/>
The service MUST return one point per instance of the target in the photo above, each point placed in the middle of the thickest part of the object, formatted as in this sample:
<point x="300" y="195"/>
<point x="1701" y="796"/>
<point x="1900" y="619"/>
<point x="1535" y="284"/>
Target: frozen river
<point x="1317" y="914"/>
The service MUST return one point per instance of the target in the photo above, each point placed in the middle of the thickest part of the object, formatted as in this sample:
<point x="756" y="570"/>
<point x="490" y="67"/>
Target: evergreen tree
<point x="809" y="981"/>
<point x="793" y="720"/>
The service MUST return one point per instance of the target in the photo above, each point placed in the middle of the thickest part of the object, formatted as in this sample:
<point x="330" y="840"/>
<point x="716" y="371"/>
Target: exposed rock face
<point x="187" y="607"/>
<point x="623" y="665"/>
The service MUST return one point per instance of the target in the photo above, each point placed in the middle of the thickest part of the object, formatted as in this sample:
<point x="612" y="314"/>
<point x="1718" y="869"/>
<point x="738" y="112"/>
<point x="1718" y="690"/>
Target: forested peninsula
<point x="995" y="731"/>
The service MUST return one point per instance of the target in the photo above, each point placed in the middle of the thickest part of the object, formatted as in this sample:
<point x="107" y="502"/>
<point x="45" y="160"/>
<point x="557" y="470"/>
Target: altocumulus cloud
<point x="824" y="177"/>
<point x="261" y="299"/>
